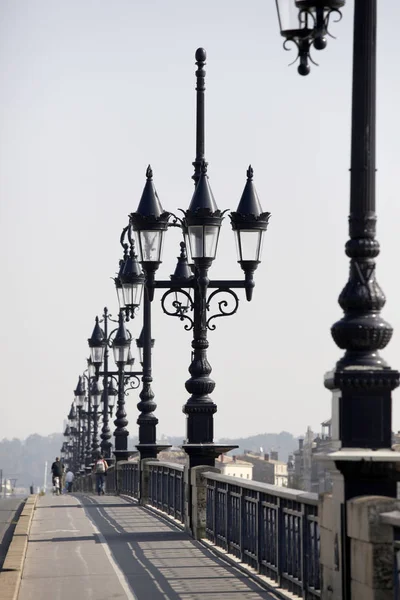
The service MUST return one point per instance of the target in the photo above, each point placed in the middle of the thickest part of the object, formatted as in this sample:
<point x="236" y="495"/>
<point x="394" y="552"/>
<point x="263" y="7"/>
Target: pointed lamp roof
<point x="97" y="338"/>
<point x="122" y="337"/>
<point x="249" y="202"/>
<point x="203" y="198"/>
<point x="150" y="204"/>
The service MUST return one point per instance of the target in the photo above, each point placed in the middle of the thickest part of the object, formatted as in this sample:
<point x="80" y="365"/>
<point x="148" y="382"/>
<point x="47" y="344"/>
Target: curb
<point x="11" y="573"/>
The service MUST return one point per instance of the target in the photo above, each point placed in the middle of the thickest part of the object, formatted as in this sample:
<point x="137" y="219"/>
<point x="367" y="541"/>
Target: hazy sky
<point x="94" y="90"/>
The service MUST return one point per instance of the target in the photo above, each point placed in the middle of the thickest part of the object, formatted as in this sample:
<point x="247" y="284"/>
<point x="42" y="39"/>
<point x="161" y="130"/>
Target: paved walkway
<point x="85" y="547"/>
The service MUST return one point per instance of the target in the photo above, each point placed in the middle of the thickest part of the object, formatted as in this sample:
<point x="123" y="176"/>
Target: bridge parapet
<point x="272" y="529"/>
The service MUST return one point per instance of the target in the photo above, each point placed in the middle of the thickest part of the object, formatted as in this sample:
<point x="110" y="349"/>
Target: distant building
<point x="267" y="468"/>
<point x="234" y="466"/>
<point x="305" y="470"/>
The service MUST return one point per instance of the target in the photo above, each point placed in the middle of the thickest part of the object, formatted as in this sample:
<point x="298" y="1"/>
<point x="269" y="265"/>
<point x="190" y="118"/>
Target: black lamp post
<point x="119" y="340"/>
<point x="361" y="381"/>
<point x="99" y="355"/>
<point x="121" y="345"/>
<point x="129" y="280"/>
<point x="80" y="401"/>
<point x="200" y="227"/>
<point x="96" y="394"/>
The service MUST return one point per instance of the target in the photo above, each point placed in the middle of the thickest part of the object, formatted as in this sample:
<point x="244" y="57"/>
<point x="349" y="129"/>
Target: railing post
<point x="371" y="547"/>
<point x="280" y="542"/>
<point x="144" y="480"/>
<point x="198" y="485"/>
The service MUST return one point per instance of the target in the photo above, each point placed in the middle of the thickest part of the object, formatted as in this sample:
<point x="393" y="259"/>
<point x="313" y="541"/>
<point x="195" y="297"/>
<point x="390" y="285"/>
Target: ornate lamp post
<point x="121" y="345"/>
<point x="99" y="355"/>
<point x="80" y="395"/>
<point x="362" y="382"/>
<point x="200" y="227"/>
<point x="96" y="394"/>
<point x="127" y="378"/>
<point x="129" y="278"/>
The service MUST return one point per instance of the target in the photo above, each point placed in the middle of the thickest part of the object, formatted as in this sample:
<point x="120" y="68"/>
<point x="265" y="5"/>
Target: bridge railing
<point x="130" y="478"/>
<point x="166" y="488"/>
<point x="110" y="484"/>
<point x="270" y="528"/>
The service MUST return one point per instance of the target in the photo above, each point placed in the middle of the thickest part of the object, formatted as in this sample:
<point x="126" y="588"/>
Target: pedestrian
<point x="69" y="479"/>
<point x="100" y="470"/>
<point x="57" y="471"/>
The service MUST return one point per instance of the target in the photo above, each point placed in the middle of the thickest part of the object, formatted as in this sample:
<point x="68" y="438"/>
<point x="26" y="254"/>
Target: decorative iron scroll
<point x="178" y="308"/>
<point x="223" y="305"/>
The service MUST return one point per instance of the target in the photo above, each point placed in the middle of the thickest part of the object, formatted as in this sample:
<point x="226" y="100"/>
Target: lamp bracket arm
<point x="175" y="285"/>
<point x="229" y="283"/>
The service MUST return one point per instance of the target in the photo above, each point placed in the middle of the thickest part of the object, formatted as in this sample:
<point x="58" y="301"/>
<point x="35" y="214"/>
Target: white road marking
<point x="120" y="574"/>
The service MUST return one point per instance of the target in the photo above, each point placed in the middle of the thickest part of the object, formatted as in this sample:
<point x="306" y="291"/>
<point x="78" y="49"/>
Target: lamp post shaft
<point x="88" y="433"/>
<point x="200" y="119"/>
<point x="105" y="432"/>
<point x="95" y="439"/>
<point x="121" y="433"/>
<point x="147" y="420"/>
<point x="362" y="382"/>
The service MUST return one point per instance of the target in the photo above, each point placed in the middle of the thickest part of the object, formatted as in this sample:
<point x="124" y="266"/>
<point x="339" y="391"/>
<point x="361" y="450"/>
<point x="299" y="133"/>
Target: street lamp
<point x="97" y="344"/>
<point x="306" y="23"/>
<point x="80" y="395"/>
<point x="96" y="394"/>
<point x="149" y="223"/>
<point x="130" y="280"/>
<point x="121" y="346"/>
<point x="200" y="227"/>
<point x="119" y="340"/>
<point x="362" y="382"/>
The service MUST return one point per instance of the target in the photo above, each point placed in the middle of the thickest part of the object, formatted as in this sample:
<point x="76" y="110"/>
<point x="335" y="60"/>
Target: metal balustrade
<point x="130" y="478"/>
<point x="166" y="488"/>
<point x="110" y="481"/>
<point x="270" y="528"/>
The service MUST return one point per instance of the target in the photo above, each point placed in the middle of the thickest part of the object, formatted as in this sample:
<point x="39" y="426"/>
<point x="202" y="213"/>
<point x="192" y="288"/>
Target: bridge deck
<point x="85" y="547"/>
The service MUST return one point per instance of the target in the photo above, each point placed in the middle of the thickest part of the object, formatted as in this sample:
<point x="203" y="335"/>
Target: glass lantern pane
<point x="211" y="233"/>
<point x="120" y="295"/>
<point x="289" y="16"/>
<point x="138" y="246"/>
<point x="132" y="294"/>
<point x="249" y="244"/>
<point x="111" y="400"/>
<point x="96" y="400"/>
<point x="151" y="244"/>
<point x="140" y="355"/>
<point x="188" y="252"/>
<point x="121" y="354"/>
<point x="97" y="355"/>
<point x="196" y="240"/>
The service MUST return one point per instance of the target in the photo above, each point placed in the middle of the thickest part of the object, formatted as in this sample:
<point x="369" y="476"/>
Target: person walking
<point x="57" y="469"/>
<point x="69" y="479"/>
<point x="100" y="470"/>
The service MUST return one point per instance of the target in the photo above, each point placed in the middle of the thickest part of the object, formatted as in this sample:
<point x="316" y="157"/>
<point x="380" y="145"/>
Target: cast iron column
<point x="121" y="433"/>
<point x="147" y="420"/>
<point x="88" y="433"/>
<point x="362" y="382"/>
<point x="105" y="432"/>
<point x="95" y="440"/>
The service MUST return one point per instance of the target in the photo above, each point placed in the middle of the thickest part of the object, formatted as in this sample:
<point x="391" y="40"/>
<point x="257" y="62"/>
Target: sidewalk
<point x="102" y="548"/>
